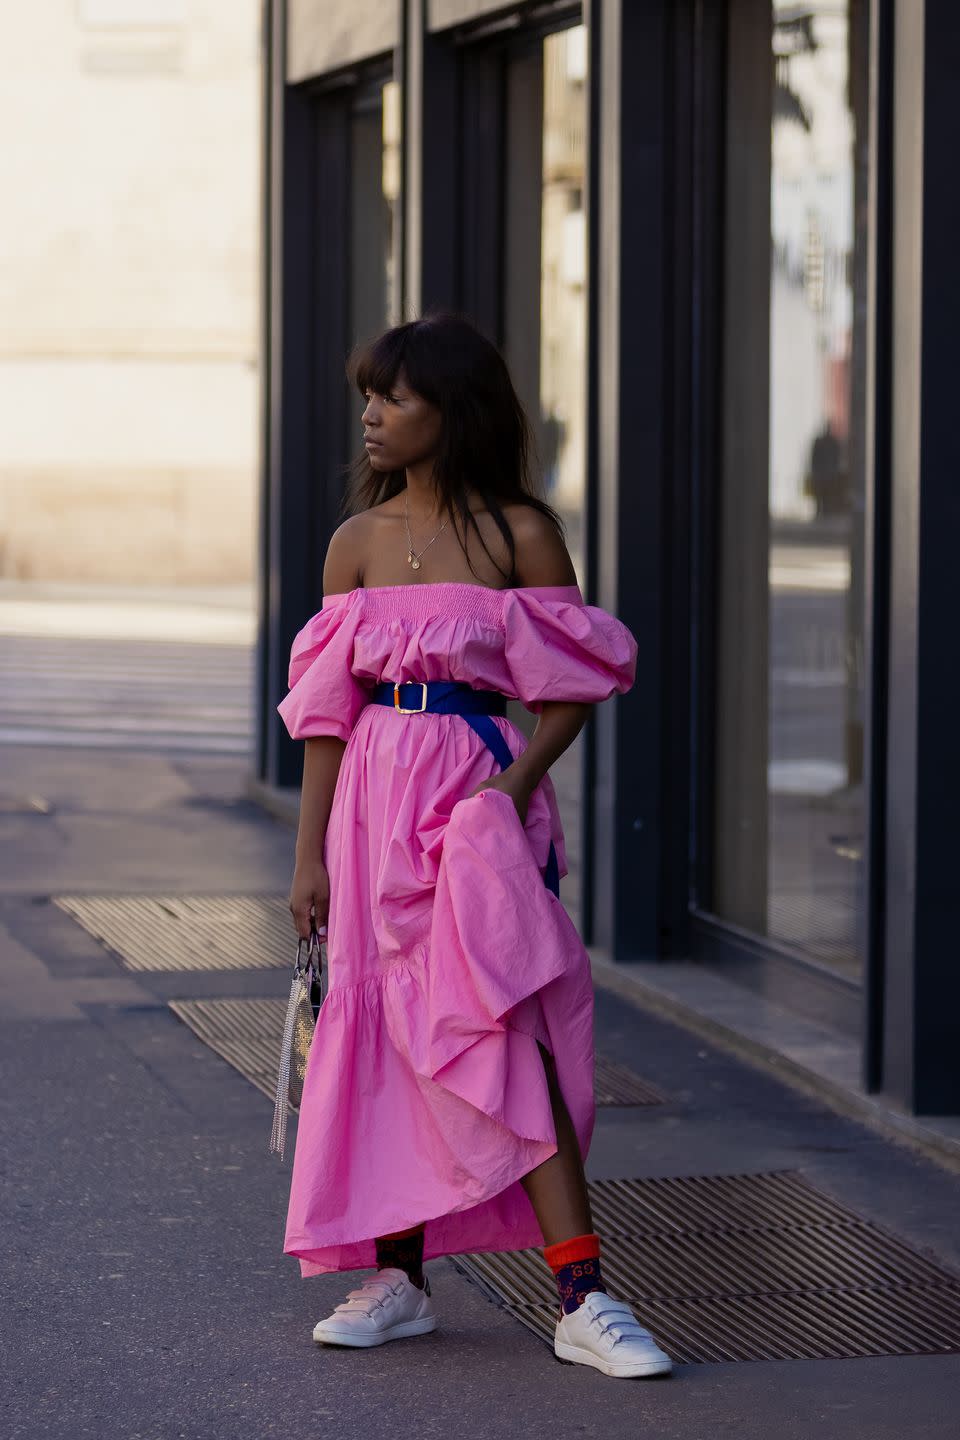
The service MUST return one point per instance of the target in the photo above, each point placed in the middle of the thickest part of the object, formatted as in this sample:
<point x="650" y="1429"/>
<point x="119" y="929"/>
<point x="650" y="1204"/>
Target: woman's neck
<point x="422" y="496"/>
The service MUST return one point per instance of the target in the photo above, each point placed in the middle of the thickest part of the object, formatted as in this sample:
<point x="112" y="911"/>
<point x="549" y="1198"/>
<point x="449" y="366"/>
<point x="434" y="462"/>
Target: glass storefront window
<point x="374" y="215"/>
<point x="545" y="309"/>
<point x="789" y="807"/>
<point x="375" y="193"/>
<point x="563" y="338"/>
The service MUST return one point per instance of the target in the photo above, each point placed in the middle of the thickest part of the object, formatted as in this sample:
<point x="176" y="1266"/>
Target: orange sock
<point x="576" y="1267"/>
<point x="565" y="1252"/>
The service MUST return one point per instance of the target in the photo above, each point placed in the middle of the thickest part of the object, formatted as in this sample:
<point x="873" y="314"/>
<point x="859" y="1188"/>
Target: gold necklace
<point x="413" y="559"/>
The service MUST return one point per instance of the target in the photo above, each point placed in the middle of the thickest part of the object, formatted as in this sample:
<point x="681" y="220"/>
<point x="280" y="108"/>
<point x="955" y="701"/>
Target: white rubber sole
<point x="638" y="1370"/>
<point x="325" y="1336"/>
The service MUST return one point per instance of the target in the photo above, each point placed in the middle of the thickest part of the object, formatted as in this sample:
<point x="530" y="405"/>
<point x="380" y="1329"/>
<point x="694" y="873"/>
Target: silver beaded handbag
<point x="306" y="996"/>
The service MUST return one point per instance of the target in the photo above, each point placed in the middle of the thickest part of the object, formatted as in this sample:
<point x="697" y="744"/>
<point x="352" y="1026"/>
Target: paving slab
<point x="146" y="1295"/>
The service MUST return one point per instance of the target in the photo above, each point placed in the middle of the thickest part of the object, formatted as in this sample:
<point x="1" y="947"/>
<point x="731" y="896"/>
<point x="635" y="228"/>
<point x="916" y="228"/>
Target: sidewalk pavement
<point x="200" y="614"/>
<point x="146" y="1295"/>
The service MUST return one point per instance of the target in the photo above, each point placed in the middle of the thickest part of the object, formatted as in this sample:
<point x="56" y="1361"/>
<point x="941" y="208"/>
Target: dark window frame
<point x="307" y="337"/>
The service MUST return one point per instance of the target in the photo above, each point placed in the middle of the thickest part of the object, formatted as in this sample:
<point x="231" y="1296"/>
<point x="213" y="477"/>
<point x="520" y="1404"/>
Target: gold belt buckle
<point x="417" y="709"/>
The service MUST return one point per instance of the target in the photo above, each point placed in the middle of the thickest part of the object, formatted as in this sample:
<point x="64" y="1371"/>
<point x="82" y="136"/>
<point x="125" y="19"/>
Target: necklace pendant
<point x="415" y="563"/>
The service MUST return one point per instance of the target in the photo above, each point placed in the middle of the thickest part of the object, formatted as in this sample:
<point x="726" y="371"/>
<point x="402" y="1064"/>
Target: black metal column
<point x="305" y="283"/>
<point x="641" y="306"/>
<point x="288" y="259"/>
<point x="261" y="683"/>
<point x="922" y="991"/>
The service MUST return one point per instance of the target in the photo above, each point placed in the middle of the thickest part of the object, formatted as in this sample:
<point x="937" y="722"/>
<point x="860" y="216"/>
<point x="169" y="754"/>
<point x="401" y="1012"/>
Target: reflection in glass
<point x="563" y="366"/>
<point x="374" y="300"/>
<point x="802" y="637"/>
<point x="561" y="422"/>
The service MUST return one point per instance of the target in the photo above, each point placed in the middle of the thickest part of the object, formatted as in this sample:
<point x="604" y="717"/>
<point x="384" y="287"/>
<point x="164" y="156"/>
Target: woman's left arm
<point x="541" y="559"/>
<point x="558" y="725"/>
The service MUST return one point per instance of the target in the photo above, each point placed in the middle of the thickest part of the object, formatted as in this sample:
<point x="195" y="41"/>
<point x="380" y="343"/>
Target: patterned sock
<point x="576" y="1267"/>
<point x="406" y="1253"/>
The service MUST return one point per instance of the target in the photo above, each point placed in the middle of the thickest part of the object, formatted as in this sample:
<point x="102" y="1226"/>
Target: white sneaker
<point x="387" y="1306"/>
<point x="605" y="1333"/>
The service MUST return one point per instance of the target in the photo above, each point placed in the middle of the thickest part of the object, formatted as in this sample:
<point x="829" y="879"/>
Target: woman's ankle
<point x="576" y="1268"/>
<point x="403" y="1251"/>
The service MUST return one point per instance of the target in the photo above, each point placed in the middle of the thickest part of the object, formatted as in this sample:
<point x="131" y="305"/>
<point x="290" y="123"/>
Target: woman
<point x="448" y="1100"/>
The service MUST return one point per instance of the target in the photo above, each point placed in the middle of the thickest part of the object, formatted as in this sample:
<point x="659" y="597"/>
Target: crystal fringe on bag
<point x="306" y="994"/>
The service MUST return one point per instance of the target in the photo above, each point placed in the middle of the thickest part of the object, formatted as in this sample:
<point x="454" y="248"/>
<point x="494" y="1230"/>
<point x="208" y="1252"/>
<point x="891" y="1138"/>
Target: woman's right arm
<point x="342" y="571"/>
<point x="311" y="884"/>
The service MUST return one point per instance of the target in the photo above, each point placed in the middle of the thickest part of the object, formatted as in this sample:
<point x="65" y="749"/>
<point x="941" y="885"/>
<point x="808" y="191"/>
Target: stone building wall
<point x="128" y="290"/>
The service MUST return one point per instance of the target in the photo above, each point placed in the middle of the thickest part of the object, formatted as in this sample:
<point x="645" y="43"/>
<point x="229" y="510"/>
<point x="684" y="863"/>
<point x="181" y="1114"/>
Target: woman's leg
<point x="404" y="1251"/>
<point x="557" y="1189"/>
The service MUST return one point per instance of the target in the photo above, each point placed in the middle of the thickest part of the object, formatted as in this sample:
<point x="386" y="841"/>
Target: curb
<point x="905" y="1130"/>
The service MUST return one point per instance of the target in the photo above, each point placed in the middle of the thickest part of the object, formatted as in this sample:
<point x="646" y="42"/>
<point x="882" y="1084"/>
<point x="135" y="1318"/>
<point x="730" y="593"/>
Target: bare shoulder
<point x="343" y="566"/>
<point x="542" y="556"/>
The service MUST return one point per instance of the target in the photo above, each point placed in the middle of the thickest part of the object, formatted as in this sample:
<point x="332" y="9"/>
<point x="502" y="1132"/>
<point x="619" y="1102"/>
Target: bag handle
<point x="303" y="975"/>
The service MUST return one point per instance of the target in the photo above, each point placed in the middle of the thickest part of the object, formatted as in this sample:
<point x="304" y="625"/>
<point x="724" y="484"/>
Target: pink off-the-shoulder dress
<point x="425" y="1097"/>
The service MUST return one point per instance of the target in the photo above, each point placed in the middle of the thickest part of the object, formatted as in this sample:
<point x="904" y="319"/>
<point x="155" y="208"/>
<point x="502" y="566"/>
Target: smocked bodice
<point x="532" y="643"/>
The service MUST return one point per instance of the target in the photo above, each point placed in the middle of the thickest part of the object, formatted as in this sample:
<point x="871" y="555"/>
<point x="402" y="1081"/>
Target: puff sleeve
<point x="558" y="648"/>
<point x="324" y="695"/>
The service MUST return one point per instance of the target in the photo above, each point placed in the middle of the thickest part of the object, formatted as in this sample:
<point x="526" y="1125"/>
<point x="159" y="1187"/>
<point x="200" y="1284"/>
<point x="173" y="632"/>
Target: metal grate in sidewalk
<point x="247" y="1034"/>
<point x="245" y="932"/>
<point x="188" y="932"/>
<point x="616" y="1084"/>
<point x="745" y="1267"/>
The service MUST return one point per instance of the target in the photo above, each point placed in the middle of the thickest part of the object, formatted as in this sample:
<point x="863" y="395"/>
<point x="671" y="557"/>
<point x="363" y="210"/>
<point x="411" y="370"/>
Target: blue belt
<point x="452" y="697"/>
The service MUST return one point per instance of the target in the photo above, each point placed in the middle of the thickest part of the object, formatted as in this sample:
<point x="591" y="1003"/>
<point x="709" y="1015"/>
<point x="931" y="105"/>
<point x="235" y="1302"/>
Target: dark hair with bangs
<point x="485" y="437"/>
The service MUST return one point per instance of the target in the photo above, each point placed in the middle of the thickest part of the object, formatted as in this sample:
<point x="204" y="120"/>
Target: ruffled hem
<point x="425" y="1098"/>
